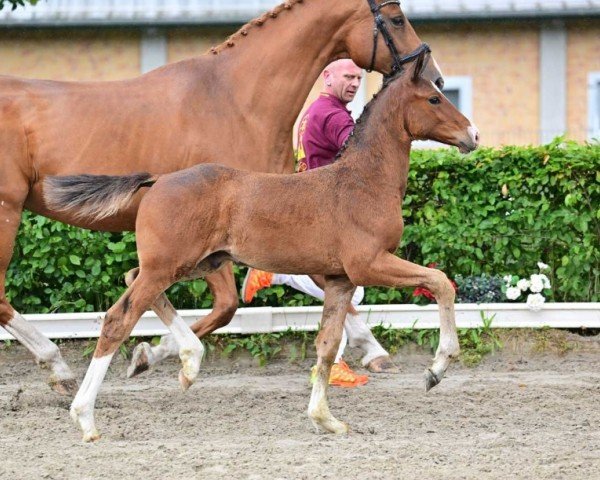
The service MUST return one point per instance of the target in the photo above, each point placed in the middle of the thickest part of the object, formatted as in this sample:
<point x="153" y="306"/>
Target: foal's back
<point x="281" y="222"/>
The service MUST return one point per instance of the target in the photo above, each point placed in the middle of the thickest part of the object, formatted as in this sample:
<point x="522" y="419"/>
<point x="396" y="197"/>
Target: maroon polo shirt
<point x="323" y="130"/>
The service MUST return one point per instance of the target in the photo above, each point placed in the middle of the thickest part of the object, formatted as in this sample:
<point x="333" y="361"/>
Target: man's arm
<point x="338" y="128"/>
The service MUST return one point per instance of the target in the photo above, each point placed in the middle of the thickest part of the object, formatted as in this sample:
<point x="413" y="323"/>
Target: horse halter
<point x="380" y="26"/>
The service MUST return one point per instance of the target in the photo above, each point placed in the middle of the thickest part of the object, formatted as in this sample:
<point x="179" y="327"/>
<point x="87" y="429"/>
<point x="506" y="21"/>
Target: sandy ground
<point x="517" y="415"/>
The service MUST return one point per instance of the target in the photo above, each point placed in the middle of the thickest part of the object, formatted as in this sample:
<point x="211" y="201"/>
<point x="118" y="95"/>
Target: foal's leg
<point x="221" y="284"/>
<point x="45" y="352"/>
<point x="387" y="269"/>
<point x="338" y="292"/>
<point x="118" y="323"/>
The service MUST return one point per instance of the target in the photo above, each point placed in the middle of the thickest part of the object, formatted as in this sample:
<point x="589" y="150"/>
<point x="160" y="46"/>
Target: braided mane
<point x="253" y="24"/>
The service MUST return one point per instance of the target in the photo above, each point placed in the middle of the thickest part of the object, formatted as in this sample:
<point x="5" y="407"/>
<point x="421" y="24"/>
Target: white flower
<point x="512" y="293"/>
<point x="545" y="280"/>
<point x="523" y="284"/>
<point x="536" y="283"/>
<point x="535" y="301"/>
<point x="542" y="266"/>
<point x="507" y="279"/>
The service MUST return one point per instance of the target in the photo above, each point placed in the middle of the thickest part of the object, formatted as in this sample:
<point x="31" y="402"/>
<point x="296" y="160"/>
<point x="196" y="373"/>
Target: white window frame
<point x="464" y="85"/>
<point x="593" y="103"/>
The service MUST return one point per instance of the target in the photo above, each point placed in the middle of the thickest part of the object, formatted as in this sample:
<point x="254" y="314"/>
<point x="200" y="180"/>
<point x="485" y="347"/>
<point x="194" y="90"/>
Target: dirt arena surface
<point x="519" y="414"/>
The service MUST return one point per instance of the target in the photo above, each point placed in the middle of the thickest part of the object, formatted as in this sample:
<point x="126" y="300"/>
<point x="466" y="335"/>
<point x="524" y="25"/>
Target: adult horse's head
<point x="381" y="38"/>
<point x="426" y="113"/>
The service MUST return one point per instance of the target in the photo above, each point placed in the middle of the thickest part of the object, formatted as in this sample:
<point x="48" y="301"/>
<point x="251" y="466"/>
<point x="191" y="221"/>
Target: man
<point x="323" y="130"/>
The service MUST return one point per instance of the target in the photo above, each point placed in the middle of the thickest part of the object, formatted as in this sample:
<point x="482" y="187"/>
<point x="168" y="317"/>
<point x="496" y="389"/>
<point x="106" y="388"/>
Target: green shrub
<point x="500" y="211"/>
<point x="479" y="289"/>
<point x="493" y="212"/>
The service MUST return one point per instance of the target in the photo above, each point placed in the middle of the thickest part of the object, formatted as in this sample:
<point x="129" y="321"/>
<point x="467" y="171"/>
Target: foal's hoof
<point x="90" y="434"/>
<point x="67" y="387"/>
<point x="382" y="364"/>
<point x="431" y="380"/>
<point x="330" y="425"/>
<point x="91" y="437"/>
<point x="184" y="381"/>
<point x="139" y="360"/>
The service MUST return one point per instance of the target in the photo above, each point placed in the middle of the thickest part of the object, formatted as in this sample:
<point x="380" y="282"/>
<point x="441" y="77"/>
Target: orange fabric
<point x="342" y="375"/>
<point x="255" y="280"/>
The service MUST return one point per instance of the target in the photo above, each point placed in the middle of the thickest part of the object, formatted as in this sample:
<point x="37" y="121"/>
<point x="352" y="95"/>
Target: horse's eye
<point x="398" y="21"/>
<point x="435" y="100"/>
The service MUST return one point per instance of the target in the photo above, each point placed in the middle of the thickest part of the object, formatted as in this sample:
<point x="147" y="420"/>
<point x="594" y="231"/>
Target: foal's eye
<point x="435" y="100"/>
<point x="398" y="21"/>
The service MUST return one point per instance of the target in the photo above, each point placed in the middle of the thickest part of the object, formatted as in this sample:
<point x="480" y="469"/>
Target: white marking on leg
<point x="360" y="335"/>
<point x="318" y="409"/>
<point x="44" y="351"/>
<point x="191" y="350"/>
<point x="168" y="347"/>
<point x="82" y="408"/>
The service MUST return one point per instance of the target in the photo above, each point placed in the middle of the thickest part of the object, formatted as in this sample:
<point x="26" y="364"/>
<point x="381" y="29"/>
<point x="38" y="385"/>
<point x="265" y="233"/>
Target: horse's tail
<point x="94" y="196"/>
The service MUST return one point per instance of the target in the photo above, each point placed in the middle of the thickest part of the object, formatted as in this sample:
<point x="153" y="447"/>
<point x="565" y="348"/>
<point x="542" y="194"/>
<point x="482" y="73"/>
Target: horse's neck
<point x="379" y="155"/>
<point x="269" y="72"/>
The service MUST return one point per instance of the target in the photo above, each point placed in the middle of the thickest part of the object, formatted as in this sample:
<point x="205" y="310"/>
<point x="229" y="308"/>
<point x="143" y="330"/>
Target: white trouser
<point x="356" y="331"/>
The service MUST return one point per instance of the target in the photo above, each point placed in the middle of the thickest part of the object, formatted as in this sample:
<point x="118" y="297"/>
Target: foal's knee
<point x="113" y="328"/>
<point x="442" y="287"/>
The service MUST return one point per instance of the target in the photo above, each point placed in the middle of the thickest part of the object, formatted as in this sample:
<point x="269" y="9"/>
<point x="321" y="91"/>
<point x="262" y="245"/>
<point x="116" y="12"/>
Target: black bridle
<point x="380" y="26"/>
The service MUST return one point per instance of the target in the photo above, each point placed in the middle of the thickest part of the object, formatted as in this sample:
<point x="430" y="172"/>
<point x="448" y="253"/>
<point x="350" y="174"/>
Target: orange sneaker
<point x="358" y="379"/>
<point x="341" y="375"/>
<point x="255" y="280"/>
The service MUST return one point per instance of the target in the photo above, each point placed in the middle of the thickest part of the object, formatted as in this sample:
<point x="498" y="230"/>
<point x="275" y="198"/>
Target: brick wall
<point x="88" y="54"/>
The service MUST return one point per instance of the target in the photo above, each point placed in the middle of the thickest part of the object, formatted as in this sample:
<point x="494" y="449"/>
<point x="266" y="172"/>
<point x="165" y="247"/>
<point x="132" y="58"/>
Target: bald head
<point x="342" y="79"/>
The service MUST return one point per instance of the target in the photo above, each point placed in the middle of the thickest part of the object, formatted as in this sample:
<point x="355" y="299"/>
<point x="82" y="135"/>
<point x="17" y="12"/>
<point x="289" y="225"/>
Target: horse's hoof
<point x="66" y="387"/>
<point x="184" y="381"/>
<point x="341" y="429"/>
<point x="139" y="360"/>
<point x="328" y="424"/>
<point x="91" y="436"/>
<point x="333" y="425"/>
<point x="431" y="380"/>
<point x="382" y="364"/>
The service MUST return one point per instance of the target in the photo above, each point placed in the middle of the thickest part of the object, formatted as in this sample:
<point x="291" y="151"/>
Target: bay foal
<point x="218" y="107"/>
<point x="343" y="221"/>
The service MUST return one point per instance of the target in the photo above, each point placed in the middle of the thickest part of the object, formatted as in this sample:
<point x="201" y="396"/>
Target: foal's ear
<point x="420" y="65"/>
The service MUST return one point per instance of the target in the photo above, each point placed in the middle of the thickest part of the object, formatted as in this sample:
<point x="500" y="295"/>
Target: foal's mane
<point x="257" y="22"/>
<point x="362" y="121"/>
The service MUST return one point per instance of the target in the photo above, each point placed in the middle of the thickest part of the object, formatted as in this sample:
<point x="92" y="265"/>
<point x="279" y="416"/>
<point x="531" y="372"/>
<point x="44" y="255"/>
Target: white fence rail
<point x="268" y="319"/>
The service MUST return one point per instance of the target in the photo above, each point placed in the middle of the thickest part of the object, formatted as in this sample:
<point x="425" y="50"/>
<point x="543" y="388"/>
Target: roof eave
<point x="240" y="19"/>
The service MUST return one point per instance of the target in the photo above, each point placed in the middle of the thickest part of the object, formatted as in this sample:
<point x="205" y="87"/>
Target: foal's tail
<point x="94" y="196"/>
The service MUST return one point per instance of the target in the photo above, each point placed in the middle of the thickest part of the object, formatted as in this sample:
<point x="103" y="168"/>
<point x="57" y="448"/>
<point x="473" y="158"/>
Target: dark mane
<point x="257" y="22"/>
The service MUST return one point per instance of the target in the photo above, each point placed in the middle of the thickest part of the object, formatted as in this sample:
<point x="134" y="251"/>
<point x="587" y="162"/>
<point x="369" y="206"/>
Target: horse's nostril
<point x="439" y="83"/>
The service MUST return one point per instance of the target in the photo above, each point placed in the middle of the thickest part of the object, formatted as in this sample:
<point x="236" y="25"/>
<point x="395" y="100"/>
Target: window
<point x="594" y="106"/>
<point x="459" y="91"/>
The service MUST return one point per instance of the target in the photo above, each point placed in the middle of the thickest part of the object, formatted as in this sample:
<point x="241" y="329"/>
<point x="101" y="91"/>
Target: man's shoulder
<point x="325" y="111"/>
<point x="325" y="105"/>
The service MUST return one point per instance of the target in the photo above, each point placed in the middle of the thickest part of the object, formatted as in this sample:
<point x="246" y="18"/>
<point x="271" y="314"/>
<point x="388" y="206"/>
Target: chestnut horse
<point x="190" y="223"/>
<point x="235" y="105"/>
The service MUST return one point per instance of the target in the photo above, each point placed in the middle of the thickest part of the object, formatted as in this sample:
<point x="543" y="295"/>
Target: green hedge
<point x="495" y="211"/>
